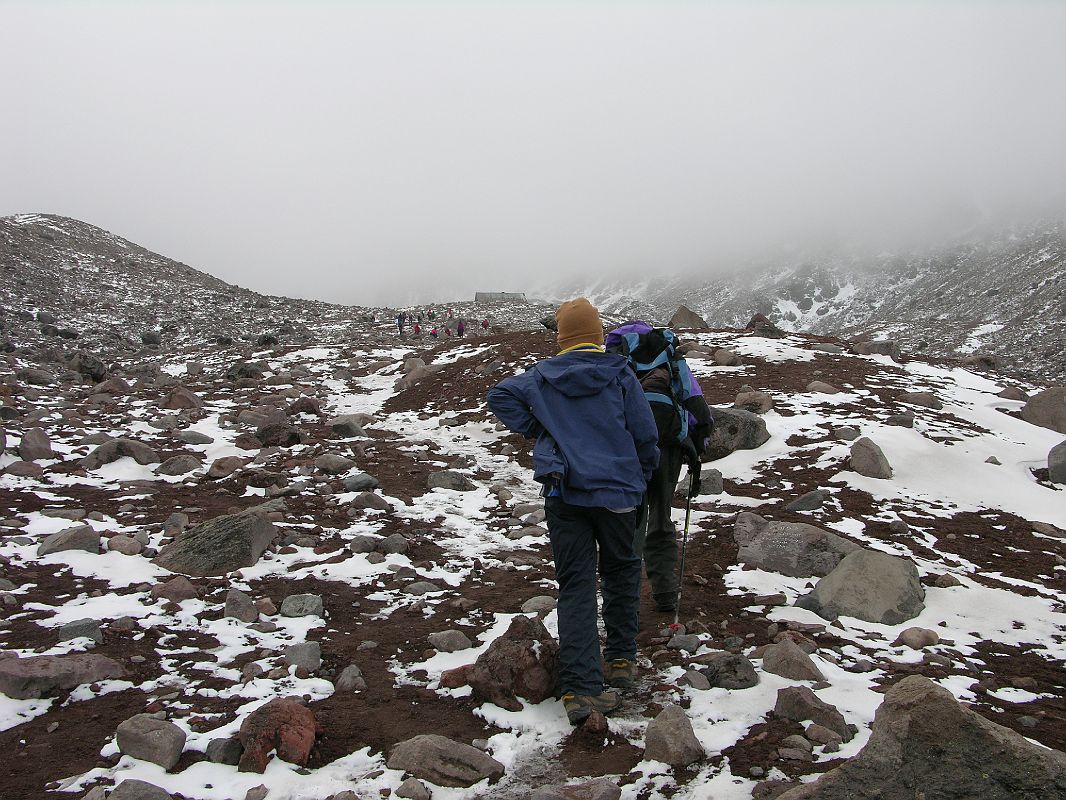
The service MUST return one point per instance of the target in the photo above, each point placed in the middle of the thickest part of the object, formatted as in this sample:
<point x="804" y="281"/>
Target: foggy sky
<point x="380" y="153"/>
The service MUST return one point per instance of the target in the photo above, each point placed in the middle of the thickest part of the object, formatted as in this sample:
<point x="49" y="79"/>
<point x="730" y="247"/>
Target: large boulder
<point x="34" y="445"/>
<point x="443" y="761"/>
<point x="868" y="585"/>
<point x="450" y="479"/>
<point x="791" y="548"/>
<point x="115" y="449"/>
<point x="346" y="426"/>
<point x="735" y="429"/>
<point x="181" y="397"/>
<point x="219" y="546"/>
<point x="1047" y="409"/>
<point x="685" y="317"/>
<point x="1056" y="463"/>
<point x="150" y="739"/>
<point x="869" y="460"/>
<point x="88" y="365"/>
<point x="925" y="744"/>
<point x="38" y="676"/>
<point x="524" y="662"/>
<point x="79" y="537"/>
<point x="283" y="726"/>
<point x="884" y="347"/>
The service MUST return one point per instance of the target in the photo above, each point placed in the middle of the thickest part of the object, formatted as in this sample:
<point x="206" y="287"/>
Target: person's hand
<point x="695" y="466"/>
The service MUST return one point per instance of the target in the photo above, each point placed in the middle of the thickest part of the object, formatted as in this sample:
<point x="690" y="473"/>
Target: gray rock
<point x="868" y="585"/>
<point x="241" y="606"/>
<point x="885" y="347"/>
<point x="360" y="543"/>
<point x="923" y="399"/>
<point x="821" y="387"/>
<point x="541" y="604"/>
<point x="755" y="402"/>
<point x="419" y="588"/>
<point x="735" y="429"/>
<point x="151" y="739"/>
<point x="724" y="357"/>
<point x="697" y="680"/>
<point x="710" y="483"/>
<point x="224" y="751"/>
<point x="412" y="788"/>
<point x="685" y="317"/>
<point x="225" y="466"/>
<point x="670" y="739"/>
<point x="394" y="543"/>
<point x="810" y="501"/>
<point x="689" y="642"/>
<point x="449" y="479"/>
<point x="127" y="545"/>
<point x="193" y="437"/>
<point x="789" y="661"/>
<point x="346" y="426"/>
<point x="731" y="671"/>
<point x="444" y="761"/>
<point x="372" y="500"/>
<point x="922" y="737"/>
<point x="219" y="546"/>
<point x="917" y="638"/>
<point x="1056" y="463"/>
<point x="846" y="433"/>
<point x="360" y="482"/>
<point x="827" y="347"/>
<point x="333" y="464"/>
<point x="35" y="445"/>
<point x="799" y="704"/>
<point x="867" y="459"/>
<point x="89" y="628"/>
<point x="791" y="548"/>
<point x="350" y="680"/>
<point x="449" y="641"/>
<point x="115" y="449"/>
<point x="302" y="605"/>
<point x="411" y="364"/>
<point x="179" y="465"/>
<point x="38" y="676"/>
<point x="35" y="377"/>
<point x="133" y="789"/>
<point x="1047" y="409"/>
<point x="305" y="654"/>
<point x="900" y="420"/>
<point x="80" y="537"/>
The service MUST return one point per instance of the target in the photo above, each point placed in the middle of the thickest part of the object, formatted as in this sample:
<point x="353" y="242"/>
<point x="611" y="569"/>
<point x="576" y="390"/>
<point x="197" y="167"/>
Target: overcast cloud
<point x="386" y="152"/>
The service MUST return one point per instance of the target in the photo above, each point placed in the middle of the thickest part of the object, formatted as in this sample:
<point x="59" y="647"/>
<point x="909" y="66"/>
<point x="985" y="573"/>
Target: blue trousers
<point x="586" y="541"/>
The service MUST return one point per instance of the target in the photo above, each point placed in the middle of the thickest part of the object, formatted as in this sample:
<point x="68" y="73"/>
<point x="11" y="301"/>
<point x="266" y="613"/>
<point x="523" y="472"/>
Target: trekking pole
<point x="684" y="546"/>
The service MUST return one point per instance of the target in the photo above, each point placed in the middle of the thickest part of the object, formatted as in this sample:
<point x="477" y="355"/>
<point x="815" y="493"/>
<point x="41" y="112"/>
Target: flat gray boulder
<point x="800" y="703"/>
<point x="450" y="479"/>
<point x="443" y="761"/>
<point x="115" y="449"/>
<point x="219" y="546"/>
<point x="346" y="426"/>
<point x="38" y="676"/>
<point x="868" y="585"/>
<point x="735" y="429"/>
<point x="302" y="605"/>
<point x="788" y="660"/>
<point x="333" y="464"/>
<point x="922" y="737"/>
<point x="80" y="537"/>
<point x="1047" y="409"/>
<point x="179" y="465"/>
<point x="151" y="739"/>
<point x="795" y="549"/>
<point x="868" y="459"/>
<point x="133" y="789"/>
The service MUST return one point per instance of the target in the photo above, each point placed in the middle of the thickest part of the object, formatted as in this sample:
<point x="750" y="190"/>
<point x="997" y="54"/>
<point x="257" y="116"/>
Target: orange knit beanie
<point x="579" y="323"/>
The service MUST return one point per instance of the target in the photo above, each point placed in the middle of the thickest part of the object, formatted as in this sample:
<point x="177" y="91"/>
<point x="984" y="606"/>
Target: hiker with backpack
<point x="683" y="420"/>
<point x="595" y="451"/>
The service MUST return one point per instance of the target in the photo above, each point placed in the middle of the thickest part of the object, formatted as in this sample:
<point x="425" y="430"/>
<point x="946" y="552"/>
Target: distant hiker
<point x="399" y="323"/>
<point x="449" y="313"/>
<point x="417" y="330"/>
<point x="460" y="329"/>
<point x="683" y="419"/>
<point x="431" y="313"/>
<point x="433" y="333"/>
<point x="594" y="454"/>
<point x="447" y="331"/>
<point x="485" y="324"/>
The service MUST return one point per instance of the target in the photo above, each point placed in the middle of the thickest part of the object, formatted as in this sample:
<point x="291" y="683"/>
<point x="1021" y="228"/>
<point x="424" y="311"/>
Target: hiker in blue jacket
<point x="595" y="451"/>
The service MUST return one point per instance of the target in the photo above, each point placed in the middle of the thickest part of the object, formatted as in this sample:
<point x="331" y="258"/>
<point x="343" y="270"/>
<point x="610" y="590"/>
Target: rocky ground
<point x="312" y="566"/>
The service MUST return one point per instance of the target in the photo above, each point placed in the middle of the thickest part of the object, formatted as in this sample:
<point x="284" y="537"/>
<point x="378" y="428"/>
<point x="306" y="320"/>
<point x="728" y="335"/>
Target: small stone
<point x="450" y="641"/>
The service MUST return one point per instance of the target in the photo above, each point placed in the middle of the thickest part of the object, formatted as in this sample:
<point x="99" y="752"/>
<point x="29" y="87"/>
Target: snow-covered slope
<point x="1003" y="295"/>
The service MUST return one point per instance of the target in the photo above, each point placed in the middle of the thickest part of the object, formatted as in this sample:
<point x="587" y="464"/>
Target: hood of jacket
<point x="581" y="373"/>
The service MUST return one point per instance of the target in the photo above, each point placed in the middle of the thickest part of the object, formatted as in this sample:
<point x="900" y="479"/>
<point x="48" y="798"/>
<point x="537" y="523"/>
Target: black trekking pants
<point x="656" y="539"/>
<point x="586" y="541"/>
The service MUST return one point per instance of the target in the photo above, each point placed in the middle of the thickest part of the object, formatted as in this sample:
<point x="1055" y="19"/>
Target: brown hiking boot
<point x="621" y="674"/>
<point x="580" y="706"/>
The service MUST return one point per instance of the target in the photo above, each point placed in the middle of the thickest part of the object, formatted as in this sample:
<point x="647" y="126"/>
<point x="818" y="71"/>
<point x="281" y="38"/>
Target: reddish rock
<point x="454" y="678"/>
<point x="282" y="725"/>
<point x="524" y="662"/>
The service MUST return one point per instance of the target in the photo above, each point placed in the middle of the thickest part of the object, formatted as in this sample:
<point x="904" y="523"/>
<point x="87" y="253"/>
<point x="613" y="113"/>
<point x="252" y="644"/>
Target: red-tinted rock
<point x="524" y="662"/>
<point x="282" y="725"/>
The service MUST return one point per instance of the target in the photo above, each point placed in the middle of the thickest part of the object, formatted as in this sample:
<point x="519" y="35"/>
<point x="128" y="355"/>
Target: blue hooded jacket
<point x="593" y="425"/>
